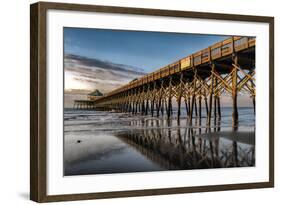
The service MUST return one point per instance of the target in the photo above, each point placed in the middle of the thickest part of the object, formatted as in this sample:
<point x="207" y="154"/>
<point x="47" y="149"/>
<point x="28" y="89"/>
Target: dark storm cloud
<point x="92" y="62"/>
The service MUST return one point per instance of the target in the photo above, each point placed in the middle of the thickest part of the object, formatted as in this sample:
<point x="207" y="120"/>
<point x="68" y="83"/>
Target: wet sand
<point x="98" y="142"/>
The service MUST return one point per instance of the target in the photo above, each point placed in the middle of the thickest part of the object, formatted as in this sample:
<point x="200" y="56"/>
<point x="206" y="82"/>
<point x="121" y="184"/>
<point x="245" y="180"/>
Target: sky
<point x="146" y="50"/>
<point x="105" y="59"/>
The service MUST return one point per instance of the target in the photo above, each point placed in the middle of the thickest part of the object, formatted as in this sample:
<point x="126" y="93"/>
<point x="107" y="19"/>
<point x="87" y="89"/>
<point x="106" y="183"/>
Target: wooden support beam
<point x="219" y="107"/>
<point x="254" y="103"/>
<point x="215" y="110"/>
<point x="128" y="106"/>
<point x="189" y="107"/>
<point x="179" y="108"/>
<point x="234" y="93"/>
<point x="193" y="100"/>
<point x="186" y="107"/>
<point x="211" y="96"/>
<point x="179" y="95"/>
<point x="166" y="106"/>
<point x="133" y="107"/>
<point x="195" y="106"/>
<point x="140" y="106"/>
<point x="206" y="105"/>
<point x="146" y="107"/>
<point x="215" y="102"/>
<point x="200" y="107"/>
<point x="159" y="106"/>
<point x="169" y="112"/>
<point x="162" y="108"/>
<point x="152" y="106"/>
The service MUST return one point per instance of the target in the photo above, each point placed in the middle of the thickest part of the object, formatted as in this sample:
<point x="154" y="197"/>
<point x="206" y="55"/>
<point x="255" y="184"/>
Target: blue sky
<point x="146" y="50"/>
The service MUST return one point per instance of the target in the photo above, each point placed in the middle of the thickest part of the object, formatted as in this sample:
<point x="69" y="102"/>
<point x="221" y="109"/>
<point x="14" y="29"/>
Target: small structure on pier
<point x="88" y="104"/>
<point x="96" y="94"/>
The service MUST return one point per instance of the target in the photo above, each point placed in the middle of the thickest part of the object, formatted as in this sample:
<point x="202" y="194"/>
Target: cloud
<point x="91" y="72"/>
<point x="83" y="75"/>
<point x="92" y="62"/>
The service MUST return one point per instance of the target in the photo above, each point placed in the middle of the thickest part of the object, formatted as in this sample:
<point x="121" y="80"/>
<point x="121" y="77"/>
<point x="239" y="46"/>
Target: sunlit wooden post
<point x="136" y="101"/>
<point x="195" y="106"/>
<point x="200" y="107"/>
<point x="206" y="105"/>
<point x="189" y="106"/>
<point x="169" y="110"/>
<point x="219" y="107"/>
<point x="234" y="93"/>
<point x="186" y="107"/>
<point x="125" y="102"/>
<point x="179" y="107"/>
<point x="211" y="95"/>
<point x="140" y="105"/>
<point x="160" y="95"/>
<point x="146" y="107"/>
<point x="130" y="104"/>
<point x="153" y="99"/>
<point x="253" y="97"/>
<point x="166" y="106"/>
<point x="162" y="107"/>
<point x="193" y="96"/>
<point x="152" y="106"/>
<point x="133" y="103"/>
<point x="215" y="101"/>
<point x="146" y="99"/>
<point x="179" y="96"/>
<point x="140" y="101"/>
<point x="200" y="118"/>
<point x="254" y="103"/>
<point x="159" y="106"/>
<point x="133" y="106"/>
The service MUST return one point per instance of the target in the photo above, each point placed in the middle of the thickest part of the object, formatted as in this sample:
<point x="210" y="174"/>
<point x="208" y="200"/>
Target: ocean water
<point x="98" y="142"/>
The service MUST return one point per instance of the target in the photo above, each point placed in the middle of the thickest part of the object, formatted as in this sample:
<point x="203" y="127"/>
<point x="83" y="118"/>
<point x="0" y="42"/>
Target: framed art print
<point x="134" y="102"/>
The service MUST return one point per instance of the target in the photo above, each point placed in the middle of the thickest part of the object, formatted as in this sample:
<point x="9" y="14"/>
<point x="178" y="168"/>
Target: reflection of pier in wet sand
<point x="183" y="147"/>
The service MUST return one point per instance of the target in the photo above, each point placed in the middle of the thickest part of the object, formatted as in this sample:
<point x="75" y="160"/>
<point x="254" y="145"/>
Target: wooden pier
<point x="83" y="104"/>
<point x="198" y="80"/>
